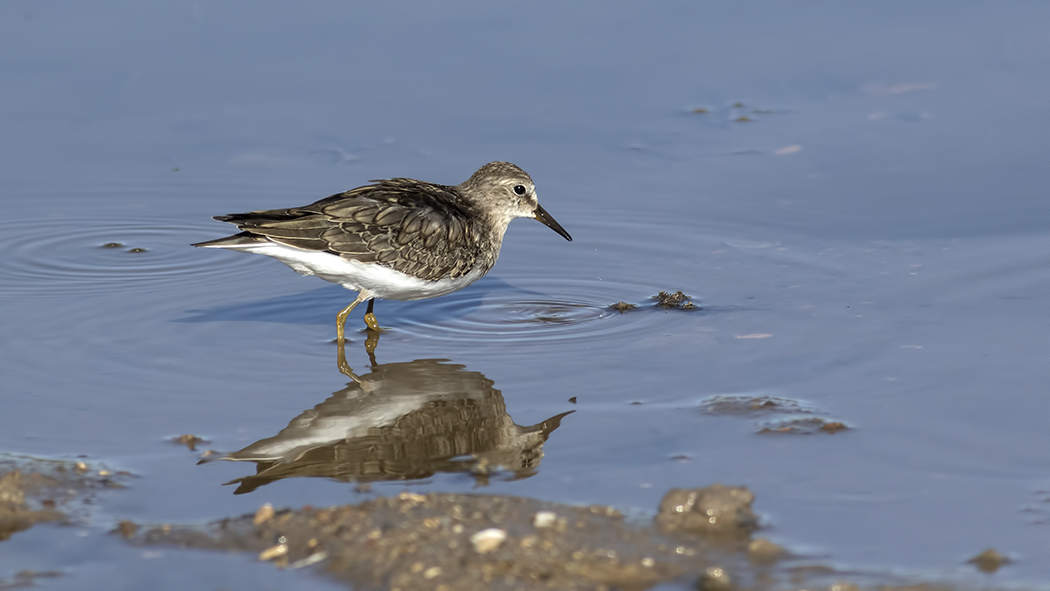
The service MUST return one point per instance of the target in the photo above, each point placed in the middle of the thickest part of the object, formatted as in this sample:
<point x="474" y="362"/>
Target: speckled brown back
<point x="423" y="229"/>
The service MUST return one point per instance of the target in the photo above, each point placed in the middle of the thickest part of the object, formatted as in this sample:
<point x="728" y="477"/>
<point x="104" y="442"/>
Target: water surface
<point x="853" y="195"/>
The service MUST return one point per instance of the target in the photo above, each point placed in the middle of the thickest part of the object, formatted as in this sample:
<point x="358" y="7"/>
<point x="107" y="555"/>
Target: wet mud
<point x="861" y="234"/>
<point x="699" y="539"/>
<point x="456" y="541"/>
<point x="705" y="538"/>
<point x="36" y="491"/>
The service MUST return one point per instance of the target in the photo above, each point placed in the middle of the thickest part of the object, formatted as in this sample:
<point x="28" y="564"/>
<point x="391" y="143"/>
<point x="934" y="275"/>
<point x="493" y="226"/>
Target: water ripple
<point x="561" y="309"/>
<point x="88" y="255"/>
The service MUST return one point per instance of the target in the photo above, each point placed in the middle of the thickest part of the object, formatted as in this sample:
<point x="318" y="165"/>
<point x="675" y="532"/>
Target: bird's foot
<point x="372" y="323"/>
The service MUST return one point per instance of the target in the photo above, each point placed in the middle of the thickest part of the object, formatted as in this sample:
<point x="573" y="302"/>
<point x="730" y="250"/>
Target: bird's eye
<point x="519" y="189"/>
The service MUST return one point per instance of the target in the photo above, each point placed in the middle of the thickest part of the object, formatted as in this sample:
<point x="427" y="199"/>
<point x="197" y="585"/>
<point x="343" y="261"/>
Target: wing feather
<point x="418" y="228"/>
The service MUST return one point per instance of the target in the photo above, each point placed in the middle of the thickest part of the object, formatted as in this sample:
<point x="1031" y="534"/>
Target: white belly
<point x="381" y="282"/>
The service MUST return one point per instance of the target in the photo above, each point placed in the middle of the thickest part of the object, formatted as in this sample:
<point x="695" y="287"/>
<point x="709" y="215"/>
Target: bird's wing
<point x="413" y="227"/>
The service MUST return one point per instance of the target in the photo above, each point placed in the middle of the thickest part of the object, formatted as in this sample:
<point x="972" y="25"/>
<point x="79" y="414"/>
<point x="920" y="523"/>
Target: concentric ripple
<point x="60" y="256"/>
<point x="547" y="310"/>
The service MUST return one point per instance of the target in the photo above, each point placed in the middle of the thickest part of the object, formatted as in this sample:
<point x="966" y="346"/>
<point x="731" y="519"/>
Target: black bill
<point x="546" y="219"/>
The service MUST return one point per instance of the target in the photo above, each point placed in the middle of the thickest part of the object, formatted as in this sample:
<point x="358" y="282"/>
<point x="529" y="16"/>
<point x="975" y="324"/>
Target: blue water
<point x="871" y="241"/>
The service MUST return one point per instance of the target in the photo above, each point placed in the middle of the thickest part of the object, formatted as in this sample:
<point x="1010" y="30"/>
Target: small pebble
<point x="273" y="552"/>
<point x="414" y="498"/>
<point x="311" y="559"/>
<point x="127" y="529"/>
<point x="488" y="540"/>
<point x="545" y="519"/>
<point x="264" y="514"/>
<point x="715" y="579"/>
<point x="763" y="551"/>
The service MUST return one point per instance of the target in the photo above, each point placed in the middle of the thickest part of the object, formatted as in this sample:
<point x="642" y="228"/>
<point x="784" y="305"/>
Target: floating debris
<point x="190" y="441"/>
<point x="742" y="119"/>
<point x="622" y="307"/>
<point x="804" y="426"/>
<point x="833" y="427"/>
<point x="127" y="529"/>
<point x="752" y="404"/>
<point x="764" y="406"/>
<point x="700" y="110"/>
<point x="112" y="245"/>
<point x="676" y="300"/>
<point x="989" y="561"/>
<point x="137" y="250"/>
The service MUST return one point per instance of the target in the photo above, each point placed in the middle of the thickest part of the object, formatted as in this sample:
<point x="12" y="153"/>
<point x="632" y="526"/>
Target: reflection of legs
<point x="344" y="368"/>
<point x="371" y="341"/>
<point x="340" y="322"/>
<point x="370" y="347"/>
<point x="370" y="318"/>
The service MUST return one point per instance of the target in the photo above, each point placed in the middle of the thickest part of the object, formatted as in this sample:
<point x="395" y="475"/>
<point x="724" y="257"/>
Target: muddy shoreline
<point x="707" y="538"/>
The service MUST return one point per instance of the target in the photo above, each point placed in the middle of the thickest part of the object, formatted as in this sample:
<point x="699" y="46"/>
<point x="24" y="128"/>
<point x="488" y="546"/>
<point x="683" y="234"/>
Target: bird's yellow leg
<point x="370" y="318"/>
<point x="340" y="320"/>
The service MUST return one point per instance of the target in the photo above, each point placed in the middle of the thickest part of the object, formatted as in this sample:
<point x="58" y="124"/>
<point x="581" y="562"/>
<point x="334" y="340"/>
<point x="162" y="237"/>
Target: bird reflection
<point x="401" y="421"/>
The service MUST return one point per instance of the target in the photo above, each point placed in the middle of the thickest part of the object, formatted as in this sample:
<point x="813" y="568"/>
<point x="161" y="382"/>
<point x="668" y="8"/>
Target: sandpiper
<point x="396" y="239"/>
